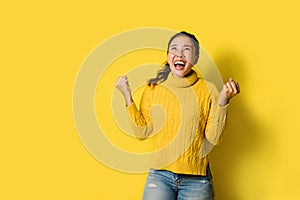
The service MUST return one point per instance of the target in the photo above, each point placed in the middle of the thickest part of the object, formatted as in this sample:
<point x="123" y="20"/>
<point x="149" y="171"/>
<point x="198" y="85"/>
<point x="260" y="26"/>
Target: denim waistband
<point x="170" y="173"/>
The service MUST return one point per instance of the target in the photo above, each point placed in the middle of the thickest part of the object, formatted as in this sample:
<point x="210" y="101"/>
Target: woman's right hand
<point x="123" y="86"/>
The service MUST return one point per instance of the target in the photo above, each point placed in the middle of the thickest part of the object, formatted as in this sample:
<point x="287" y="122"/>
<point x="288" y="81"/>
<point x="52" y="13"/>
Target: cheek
<point x="170" y="57"/>
<point x="190" y="58"/>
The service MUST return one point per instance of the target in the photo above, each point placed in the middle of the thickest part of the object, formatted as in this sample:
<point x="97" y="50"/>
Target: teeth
<point x="179" y="63"/>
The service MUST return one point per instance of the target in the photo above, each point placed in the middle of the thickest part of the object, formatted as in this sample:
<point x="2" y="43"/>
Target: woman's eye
<point x="188" y="48"/>
<point x="173" y="48"/>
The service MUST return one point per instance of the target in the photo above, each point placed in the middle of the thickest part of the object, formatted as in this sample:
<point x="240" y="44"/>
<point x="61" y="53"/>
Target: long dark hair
<point x="163" y="73"/>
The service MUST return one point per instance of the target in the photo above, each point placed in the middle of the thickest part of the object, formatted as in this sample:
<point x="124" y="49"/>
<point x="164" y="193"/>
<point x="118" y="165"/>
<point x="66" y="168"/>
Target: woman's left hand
<point x="230" y="89"/>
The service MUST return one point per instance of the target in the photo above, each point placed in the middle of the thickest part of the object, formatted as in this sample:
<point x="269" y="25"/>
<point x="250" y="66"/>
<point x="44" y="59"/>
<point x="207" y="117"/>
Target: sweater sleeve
<point x="217" y="118"/>
<point x="140" y="118"/>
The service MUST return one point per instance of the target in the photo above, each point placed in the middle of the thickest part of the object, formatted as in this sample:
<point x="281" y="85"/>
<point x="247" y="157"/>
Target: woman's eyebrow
<point x="187" y="45"/>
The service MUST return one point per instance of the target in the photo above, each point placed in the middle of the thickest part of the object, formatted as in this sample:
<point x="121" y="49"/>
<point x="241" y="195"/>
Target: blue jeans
<point x="166" y="185"/>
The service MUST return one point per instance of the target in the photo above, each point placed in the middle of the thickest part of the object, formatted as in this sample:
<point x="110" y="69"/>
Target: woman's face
<point x="181" y="56"/>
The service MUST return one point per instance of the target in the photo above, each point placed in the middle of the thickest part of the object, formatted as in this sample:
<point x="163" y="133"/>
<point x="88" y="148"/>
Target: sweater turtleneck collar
<point x="184" y="82"/>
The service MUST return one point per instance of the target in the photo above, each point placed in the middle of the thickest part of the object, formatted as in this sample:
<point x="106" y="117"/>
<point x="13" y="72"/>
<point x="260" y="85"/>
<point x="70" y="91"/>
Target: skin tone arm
<point x="230" y="89"/>
<point x="123" y="86"/>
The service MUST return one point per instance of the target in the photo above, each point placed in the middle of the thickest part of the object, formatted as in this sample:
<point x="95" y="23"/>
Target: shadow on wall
<point x="243" y="138"/>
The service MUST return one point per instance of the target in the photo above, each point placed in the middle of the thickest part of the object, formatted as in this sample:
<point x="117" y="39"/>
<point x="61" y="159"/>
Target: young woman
<point x="195" y="119"/>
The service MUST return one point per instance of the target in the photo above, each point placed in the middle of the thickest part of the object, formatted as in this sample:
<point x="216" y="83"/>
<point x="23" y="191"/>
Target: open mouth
<point x="179" y="65"/>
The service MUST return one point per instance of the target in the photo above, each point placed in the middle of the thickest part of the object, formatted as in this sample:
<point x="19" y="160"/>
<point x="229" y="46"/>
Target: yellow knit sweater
<point x="184" y="116"/>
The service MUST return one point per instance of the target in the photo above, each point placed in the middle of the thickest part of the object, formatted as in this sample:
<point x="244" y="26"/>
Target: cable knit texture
<point x="194" y="122"/>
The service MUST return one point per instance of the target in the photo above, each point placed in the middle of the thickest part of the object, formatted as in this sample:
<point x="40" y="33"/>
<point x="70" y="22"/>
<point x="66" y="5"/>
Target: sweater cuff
<point x="223" y="107"/>
<point x="222" y="111"/>
<point x="132" y="109"/>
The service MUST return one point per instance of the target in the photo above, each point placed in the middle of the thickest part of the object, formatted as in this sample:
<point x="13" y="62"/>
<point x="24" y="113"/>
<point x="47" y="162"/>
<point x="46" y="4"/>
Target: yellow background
<point x="43" y="45"/>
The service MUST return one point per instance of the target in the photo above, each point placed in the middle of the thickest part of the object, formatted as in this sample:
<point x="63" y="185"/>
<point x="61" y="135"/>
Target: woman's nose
<point x="179" y="54"/>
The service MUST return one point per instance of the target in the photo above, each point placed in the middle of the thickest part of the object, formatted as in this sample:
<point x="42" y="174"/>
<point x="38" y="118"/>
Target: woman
<point x="195" y="119"/>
